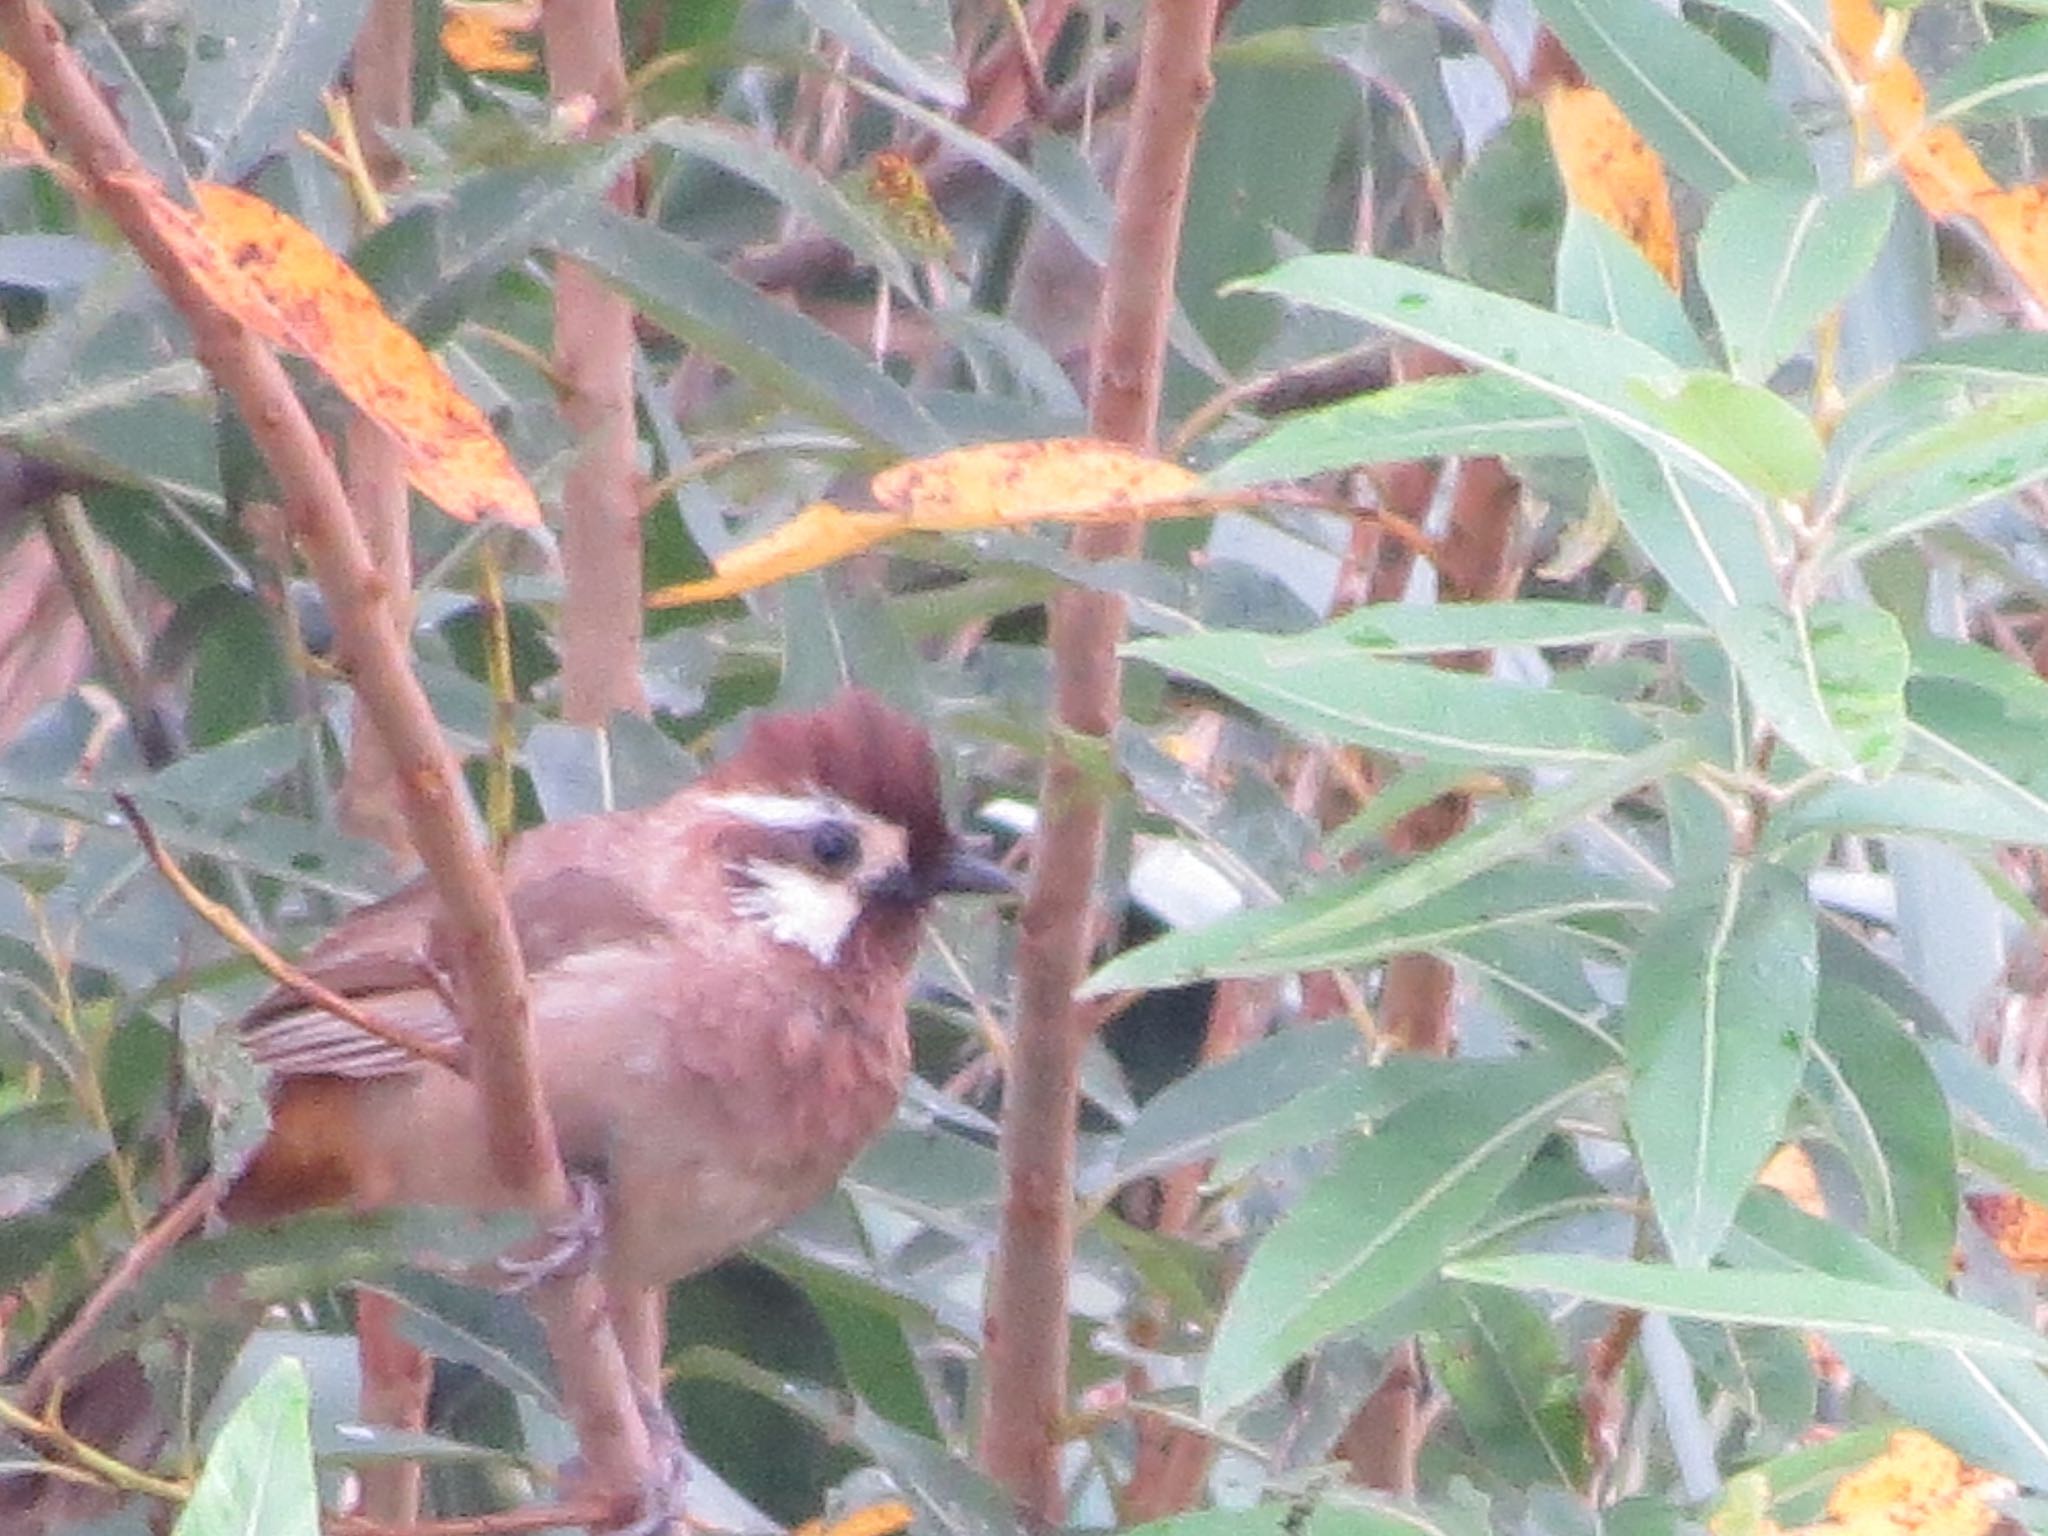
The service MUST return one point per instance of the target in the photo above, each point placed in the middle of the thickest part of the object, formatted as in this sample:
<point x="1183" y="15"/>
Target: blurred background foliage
<point x="1715" y="833"/>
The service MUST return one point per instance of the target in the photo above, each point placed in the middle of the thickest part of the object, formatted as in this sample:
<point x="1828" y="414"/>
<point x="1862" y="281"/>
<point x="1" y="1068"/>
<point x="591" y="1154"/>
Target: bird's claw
<point x="662" y="1508"/>
<point x="572" y="1242"/>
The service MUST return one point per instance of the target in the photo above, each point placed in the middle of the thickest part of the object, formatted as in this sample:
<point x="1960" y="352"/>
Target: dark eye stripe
<point x="835" y="847"/>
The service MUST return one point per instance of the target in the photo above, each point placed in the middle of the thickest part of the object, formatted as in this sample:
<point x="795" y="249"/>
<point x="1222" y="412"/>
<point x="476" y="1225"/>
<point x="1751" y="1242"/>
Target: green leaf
<point x="1595" y="372"/>
<point x="1761" y="439"/>
<point x="257" y="75"/>
<point x="258" y="1477"/>
<point x="1503" y="1369"/>
<point x="1190" y="1117"/>
<point x="1431" y="418"/>
<point x="783" y="352"/>
<point x="907" y="41"/>
<point x="1380" y="1220"/>
<point x="1775" y="259"/>
<point x="1873" y="1086"/>
<point x="1720" y="1005"/>
<point x="1398" y="706"/>
<point x="1709" y="547"/>
<point x="1408" y="629"/>
<point x="2006" y="77"/>
<point x="1990" y="1407"/>
<point x="1979" y="718"/>
<point x="1912" y="805"/>
<point x="1943" y="471"/>
<point x="1763" y="1298"/>
<point x="1861" y="657"/>
<point x="1714" y="123"/>
<point x="1604" y="280"/>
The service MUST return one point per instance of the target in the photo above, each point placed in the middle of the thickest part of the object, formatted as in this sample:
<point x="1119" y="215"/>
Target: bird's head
<point x="831" y="821"/>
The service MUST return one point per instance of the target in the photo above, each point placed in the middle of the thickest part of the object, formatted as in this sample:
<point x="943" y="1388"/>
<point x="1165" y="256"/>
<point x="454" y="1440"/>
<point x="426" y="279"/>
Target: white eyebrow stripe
<point x="781" y="813"/>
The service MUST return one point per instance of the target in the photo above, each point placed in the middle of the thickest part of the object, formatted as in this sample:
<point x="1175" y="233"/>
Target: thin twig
<point x="53" y="1364"/>
<point x="111" y="1471"/>
<point x="224" y="922"/>
<point x="512" y="1522"/>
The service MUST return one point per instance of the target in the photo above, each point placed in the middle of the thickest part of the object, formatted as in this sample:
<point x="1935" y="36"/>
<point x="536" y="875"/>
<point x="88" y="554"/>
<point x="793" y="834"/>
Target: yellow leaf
<point x="1916" y="1487"/>
<point x="273" y="274"/>
<point x="2017" y="1225"/>
<point x="1066" y="480"/>
<point x="1073" y="479"/>
<point x="18" y="141"/>
<point x="1611" y="173"/>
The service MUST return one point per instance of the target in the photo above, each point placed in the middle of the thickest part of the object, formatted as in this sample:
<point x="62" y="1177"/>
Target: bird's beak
<point x="962" y="873"/>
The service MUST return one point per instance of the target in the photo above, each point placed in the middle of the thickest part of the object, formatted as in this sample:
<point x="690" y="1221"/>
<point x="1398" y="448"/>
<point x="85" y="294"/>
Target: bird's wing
<point x="390" y="959"/>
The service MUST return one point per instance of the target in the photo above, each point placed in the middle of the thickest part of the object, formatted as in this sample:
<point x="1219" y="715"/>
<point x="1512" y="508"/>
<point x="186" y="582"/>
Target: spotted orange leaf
<point x="274" y="275"/>
<point x="2017" y="1225"/>
<point x="1937" y="162"/>
<point x="479" y="38"/>
<point x="1611" y="173"/>
<point x="1916" y="1487"/>
<point x="1065" y="480"/>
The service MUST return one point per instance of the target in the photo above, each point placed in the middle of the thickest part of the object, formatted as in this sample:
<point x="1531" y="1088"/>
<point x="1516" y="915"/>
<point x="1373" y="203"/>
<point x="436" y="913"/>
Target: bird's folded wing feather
<point x="388" y="959"/>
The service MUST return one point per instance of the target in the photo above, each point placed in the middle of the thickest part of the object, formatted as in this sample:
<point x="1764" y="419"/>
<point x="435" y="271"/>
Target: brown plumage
<point x="718" y="986"/>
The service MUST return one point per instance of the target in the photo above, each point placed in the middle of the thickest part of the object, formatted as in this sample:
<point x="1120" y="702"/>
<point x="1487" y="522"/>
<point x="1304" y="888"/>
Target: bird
<point x="719" y="986"/>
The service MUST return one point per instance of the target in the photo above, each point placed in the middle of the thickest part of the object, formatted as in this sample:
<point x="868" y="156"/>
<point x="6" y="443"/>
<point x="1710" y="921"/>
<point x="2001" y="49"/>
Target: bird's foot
<point x="660" y="1508"/>
<point x="571" y="1242"/>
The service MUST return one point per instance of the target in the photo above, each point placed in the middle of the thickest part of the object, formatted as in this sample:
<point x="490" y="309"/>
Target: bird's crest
<point x="866" y="752"/>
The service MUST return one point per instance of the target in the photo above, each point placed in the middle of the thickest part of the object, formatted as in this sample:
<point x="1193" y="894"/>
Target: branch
<point x="490" y="979"/>
<point x="601" y="609"/>
<point x="1025" y="1365"/>
<point x="280" y="970"/>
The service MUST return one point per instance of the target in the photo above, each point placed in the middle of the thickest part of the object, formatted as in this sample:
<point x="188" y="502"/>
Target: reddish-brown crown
<point x="868" y="753"/>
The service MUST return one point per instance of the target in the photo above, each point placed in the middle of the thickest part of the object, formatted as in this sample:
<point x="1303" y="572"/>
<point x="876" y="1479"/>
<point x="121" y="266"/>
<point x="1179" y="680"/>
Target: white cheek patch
<point x="797" y="907"/>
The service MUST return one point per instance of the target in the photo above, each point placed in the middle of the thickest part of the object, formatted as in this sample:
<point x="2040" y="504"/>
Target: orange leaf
<point x="1065" y="480"/>
<point x="1611" y="173"/>
<point x="1916" y="1487"/>
<point x="2017" y="1225"/>
<point x="891" y="1518"/>
<point x="478" y="38"/>
<point x="1073" y="479"/>
<point x="273" y="274"/>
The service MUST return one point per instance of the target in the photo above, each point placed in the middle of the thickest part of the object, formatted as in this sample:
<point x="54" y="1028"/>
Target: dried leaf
<point x="273" y="274"/>
<point x="1917" y="1487"/>
<point x="1064" y="480"/>
<point x="896" y="189"/>
<point x="2017" y="1225"/>
<point x="479" y="38"/>
<point x="18" y="141"/>
<point x="1611" y="173"/>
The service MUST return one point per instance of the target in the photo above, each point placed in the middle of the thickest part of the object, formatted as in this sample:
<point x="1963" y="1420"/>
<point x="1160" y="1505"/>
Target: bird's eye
<point x="835" y="847"/>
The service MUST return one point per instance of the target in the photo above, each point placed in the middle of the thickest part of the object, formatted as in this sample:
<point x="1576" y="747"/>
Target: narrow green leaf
<point x="258" y="1478"/>
<point x="1720" y="1005"/>
<point x="1761" y="439"/>
<point x="257" y="74"/>
<point x="907" y="41"/>
<point x="1404" y="629"/>
<point x="1399" y="706"/>
<point x="1380" y="1220"/>
<point x="785" y="353"/>
<point x="1593" y="371"/>
<point x="2004" y="78"/>
<point x="1710" y="547"/>
<point x="1775" y="259"/>
<point x="1871" y="1082"/>
<point x="1861" y="658"/>
<point x="1763" y="1298"/>
<point x="1431" y="418"/>
<point x="1604" y="280"/>
<point x="1990" y="1407"/>
<point x="1944" y="471"/>
<point x="1504" y="1371"/>
<point x="1714" y="122"/>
